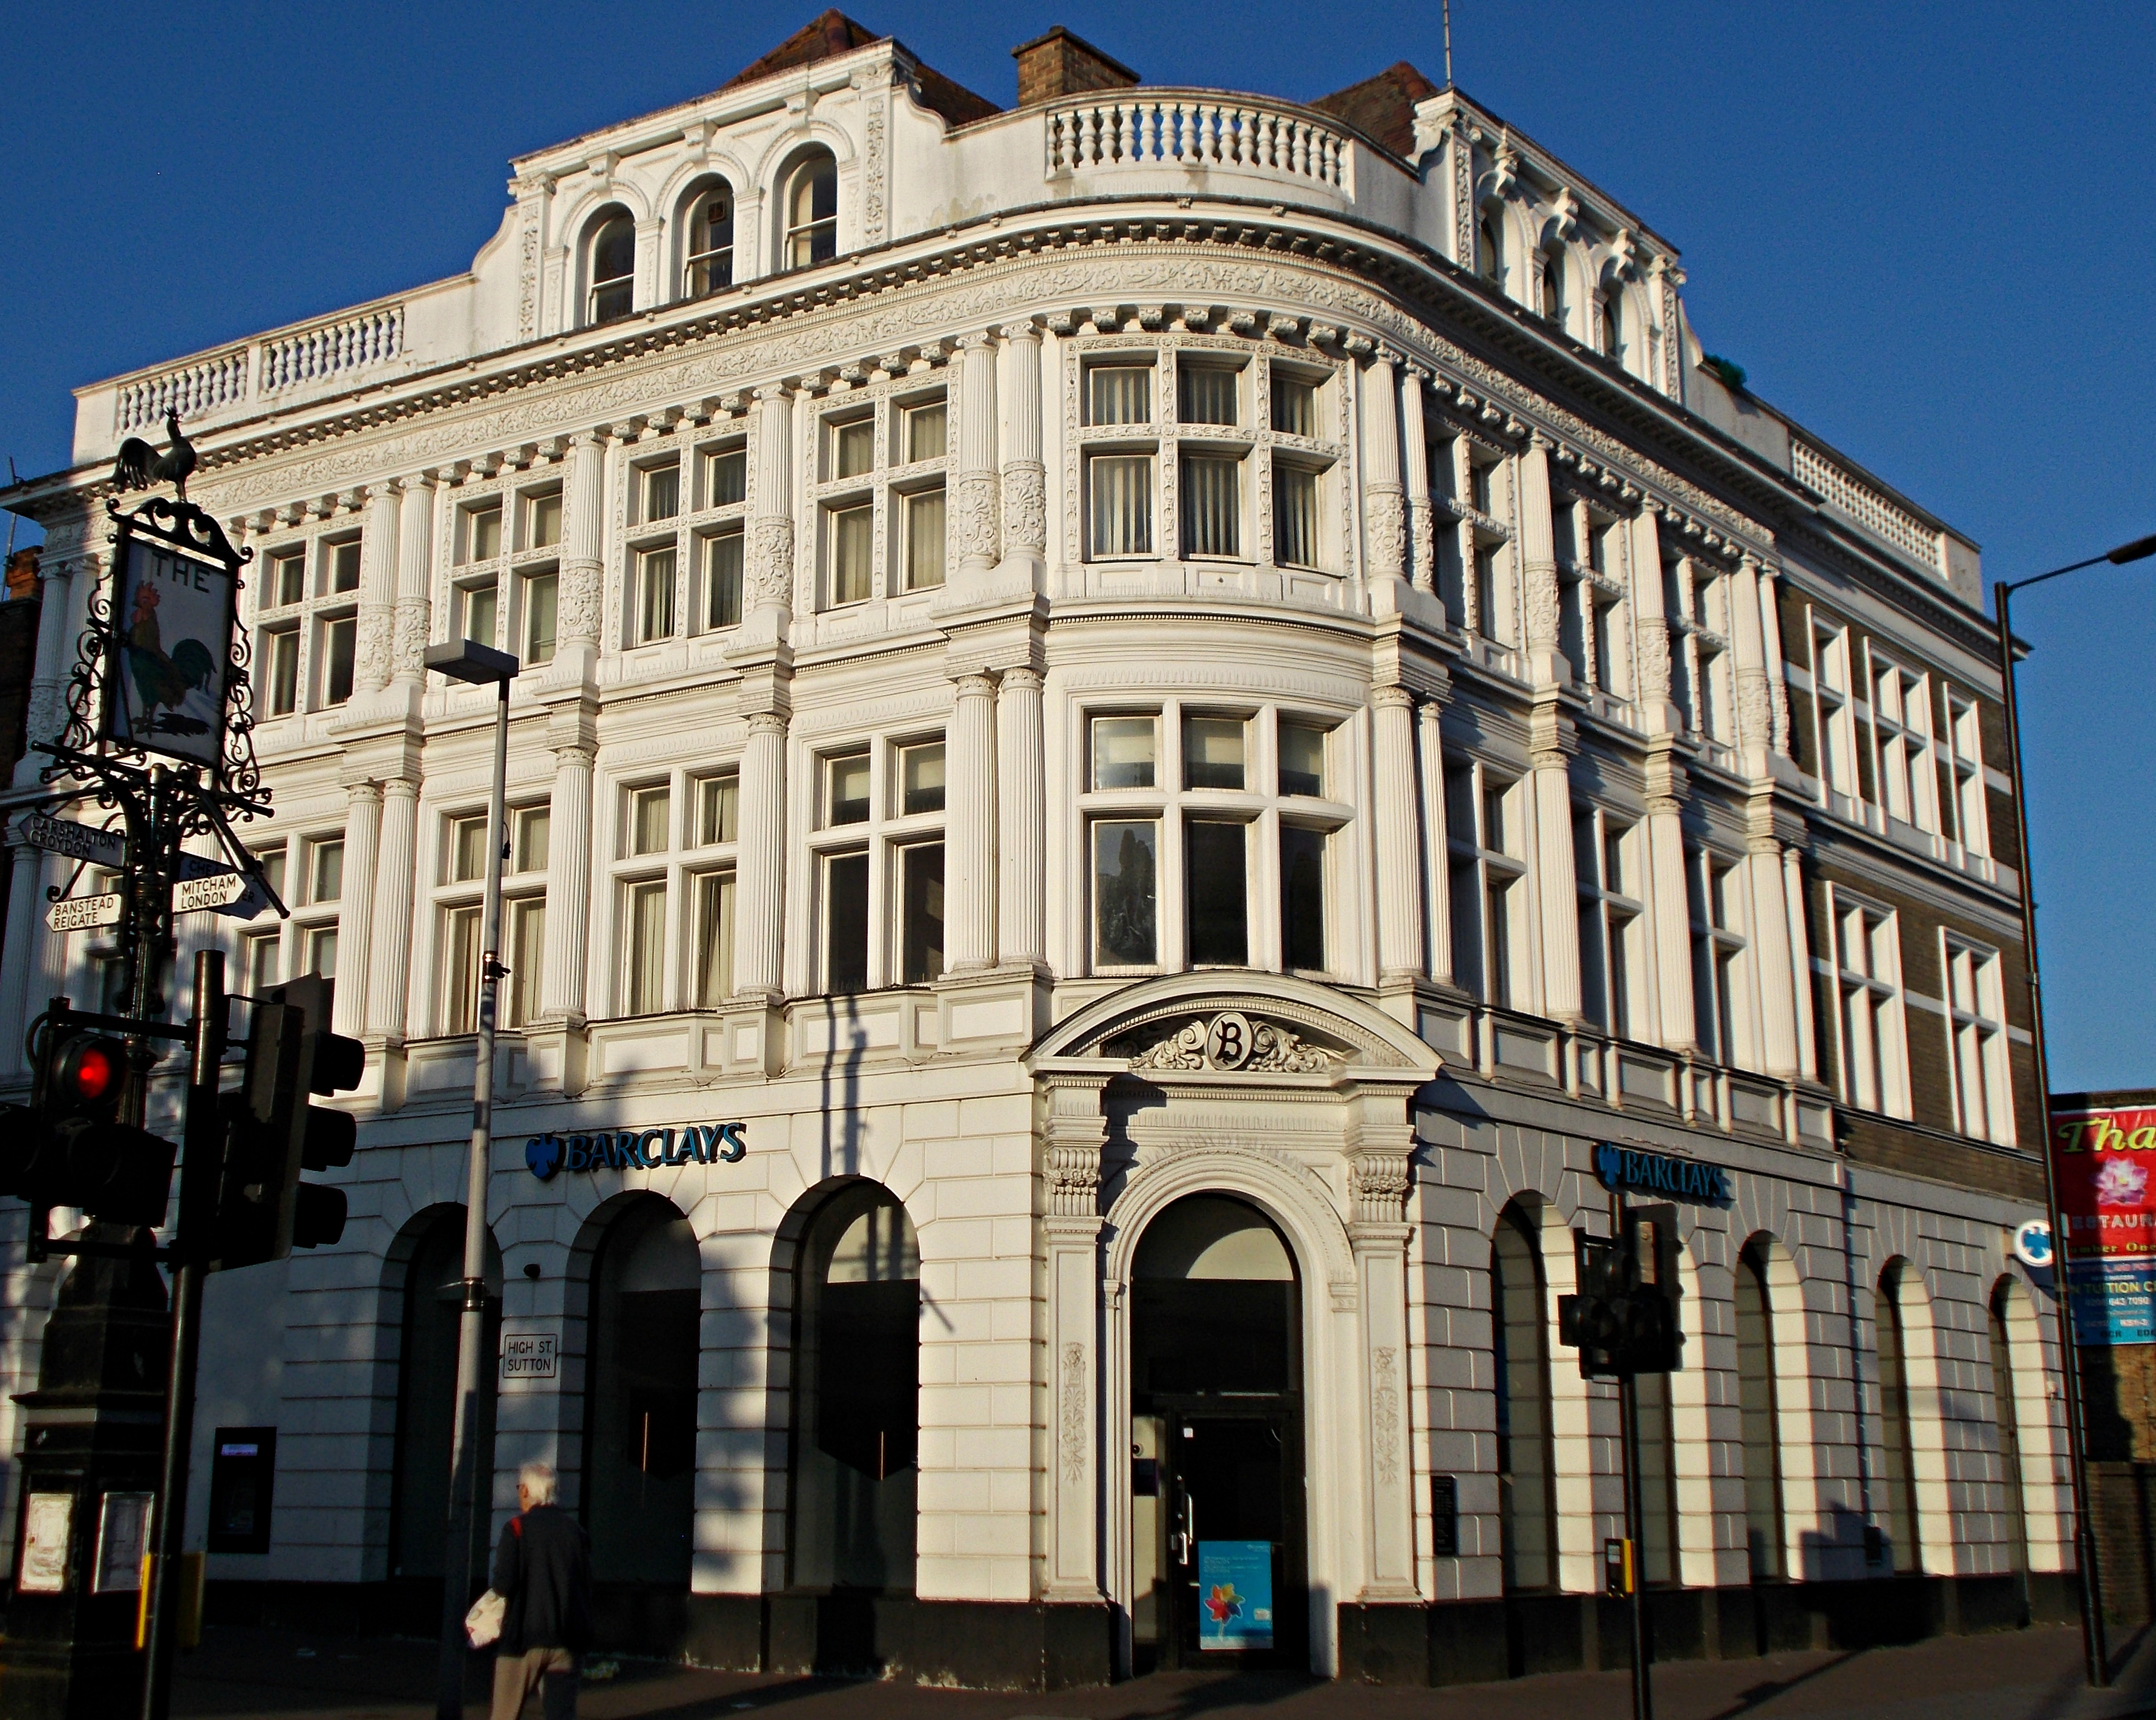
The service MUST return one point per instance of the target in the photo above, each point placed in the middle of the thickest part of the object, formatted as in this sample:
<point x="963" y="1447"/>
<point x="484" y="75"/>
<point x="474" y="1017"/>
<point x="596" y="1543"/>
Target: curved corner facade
<point x="1147" y="722"/>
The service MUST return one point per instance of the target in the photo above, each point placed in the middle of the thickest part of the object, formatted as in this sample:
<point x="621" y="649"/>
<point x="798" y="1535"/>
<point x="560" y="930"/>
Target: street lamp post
<point x="468" y="660"/>
<point x="2096" y="1652"/>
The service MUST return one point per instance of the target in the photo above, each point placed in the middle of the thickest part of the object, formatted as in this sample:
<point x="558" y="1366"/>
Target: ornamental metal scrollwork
<point x="1231" y="1041"/>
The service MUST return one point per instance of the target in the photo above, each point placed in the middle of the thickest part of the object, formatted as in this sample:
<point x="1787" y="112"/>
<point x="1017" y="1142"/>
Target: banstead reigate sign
<point x="546" y="1156"/>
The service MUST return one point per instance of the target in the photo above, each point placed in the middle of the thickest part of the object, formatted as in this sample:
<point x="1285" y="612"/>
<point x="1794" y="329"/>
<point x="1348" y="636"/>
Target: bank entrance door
<point x="1219" y="1504"/>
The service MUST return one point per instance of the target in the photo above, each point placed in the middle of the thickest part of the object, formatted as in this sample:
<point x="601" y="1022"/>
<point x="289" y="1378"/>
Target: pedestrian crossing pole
<point x="1628" y="1405"/>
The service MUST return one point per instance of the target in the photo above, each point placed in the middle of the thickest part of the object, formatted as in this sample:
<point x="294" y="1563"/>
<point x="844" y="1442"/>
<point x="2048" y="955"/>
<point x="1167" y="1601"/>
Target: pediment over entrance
<point x="1236" y="1024"/>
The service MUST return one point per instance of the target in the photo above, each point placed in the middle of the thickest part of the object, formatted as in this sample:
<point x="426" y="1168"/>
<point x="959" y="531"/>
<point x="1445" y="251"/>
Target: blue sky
<point x="1920" y="228"/>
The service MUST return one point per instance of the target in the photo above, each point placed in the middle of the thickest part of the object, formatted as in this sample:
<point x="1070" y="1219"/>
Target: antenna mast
<point x="1448" y="43"/>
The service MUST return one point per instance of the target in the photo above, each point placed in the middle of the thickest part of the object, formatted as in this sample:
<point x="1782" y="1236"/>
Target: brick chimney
<point x="1059" y="63"/>
<point x="23" y="573"/>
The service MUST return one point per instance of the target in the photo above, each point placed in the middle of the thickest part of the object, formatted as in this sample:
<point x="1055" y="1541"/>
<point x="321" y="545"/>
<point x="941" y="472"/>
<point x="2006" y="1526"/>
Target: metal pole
<point x="202" y="1161"/>
<point x="471" y="1326"/>
<point x="1628" y="1443"/>
<point x="2096" y="1652"/>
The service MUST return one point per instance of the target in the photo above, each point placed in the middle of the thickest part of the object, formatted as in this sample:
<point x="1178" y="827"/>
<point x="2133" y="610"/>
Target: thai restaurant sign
<point x="2104" y="1158"/>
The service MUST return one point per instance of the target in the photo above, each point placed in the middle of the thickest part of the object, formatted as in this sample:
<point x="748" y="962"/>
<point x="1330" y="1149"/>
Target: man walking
<point x="543" y="1569"/>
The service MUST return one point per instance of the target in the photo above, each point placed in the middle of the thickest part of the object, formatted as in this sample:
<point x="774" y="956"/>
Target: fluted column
<point x="1025" y="475"/>
<point x="582" y="585"/>
<point x="389" y="965"/>
<point x="1670" y="903"/>
<point x="1437" y="862"/>
<point x="1384" y="505"/>
<point x="58" y="625"/>
<point x="1771" y="956"/>
<point x="363" y="836"/>
<point x="415" y="544"/>
<point x="374" y="659"/>
<point x="1022" y="808"/>
<point x="18" y="963"/>
<point x="769" y="575"/>
<point x="969" y="923"/>
<point x="1546" y="663"/>
<point x="974" y="534"/>
<point x="1399" y="887"/>
<point x="566" y="956"/>
<point x="1414" y="460"/>
<point x="760" y="902"/>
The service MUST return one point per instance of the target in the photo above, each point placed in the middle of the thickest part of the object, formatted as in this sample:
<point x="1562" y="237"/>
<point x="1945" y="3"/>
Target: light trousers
<point x="551" y="1670"/>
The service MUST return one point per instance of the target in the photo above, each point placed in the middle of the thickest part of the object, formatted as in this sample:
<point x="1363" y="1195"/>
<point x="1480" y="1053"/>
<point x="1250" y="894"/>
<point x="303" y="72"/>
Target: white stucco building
<point x="1175" y="704"/>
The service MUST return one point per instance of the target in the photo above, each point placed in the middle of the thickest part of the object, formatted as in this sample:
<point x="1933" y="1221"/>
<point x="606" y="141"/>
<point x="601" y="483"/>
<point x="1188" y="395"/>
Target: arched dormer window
<point x="1610" y="323"/>
<point x="1487" y="264"/>
<point x="811" y="212"/>
<point x="611" y="269"/>
<point x="1550" y="287"/>
<point x="709" y="267"/>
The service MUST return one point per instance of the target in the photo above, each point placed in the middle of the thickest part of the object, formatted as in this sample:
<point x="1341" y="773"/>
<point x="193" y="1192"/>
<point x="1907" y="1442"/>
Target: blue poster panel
<point x="2114" y="1299"/>
<point x="1235" y="1595"/>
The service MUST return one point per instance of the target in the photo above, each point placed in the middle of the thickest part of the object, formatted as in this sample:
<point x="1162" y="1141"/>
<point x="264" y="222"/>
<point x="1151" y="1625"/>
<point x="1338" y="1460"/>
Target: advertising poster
<point x="171" y="629"/>
<point x="1235" y="1595"/>
<point x="2104" y="1159"/>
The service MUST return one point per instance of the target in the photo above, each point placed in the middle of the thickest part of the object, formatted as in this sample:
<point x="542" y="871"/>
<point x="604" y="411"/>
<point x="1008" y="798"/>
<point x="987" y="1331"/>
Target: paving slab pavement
<point x="2024" y="1674"/>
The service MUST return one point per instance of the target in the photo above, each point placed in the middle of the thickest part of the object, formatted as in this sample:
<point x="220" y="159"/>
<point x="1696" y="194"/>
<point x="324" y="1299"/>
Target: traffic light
<point x="264" y="1210"/>
<point x="1623" y="1321"/>
<point x="67" y="1147"/>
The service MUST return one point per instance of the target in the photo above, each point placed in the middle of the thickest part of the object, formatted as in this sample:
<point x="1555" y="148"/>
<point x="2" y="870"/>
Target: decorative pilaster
<point x="1771" y="952"/>
<point x="1755" y="722"/>
<point x="973" y="511"/>
<point x="1379" y="1170"/>
<point x="758" y="929"/>
<point x="374" y="658"/>
<point x="1800" y="965"/>
<point x="1072" y="1137"/>
<point x="1024" y="473"/>
<point x="578" y="599"/>
<point x="1650" y="670"/>
<point x="62" y="602"/>
<point x="565" y="960"/>
<point x="415" y="546"/>
<point x="19" y="963"/>
<point x="1546" y="663"/>
<point x="362" y="835"/>
<point x="1415" y="458"/>
<point x="1399" y="885"/>
<point x="1436" y="853"/>
<point x="1770" y="630"/>
<point x="389" y="962"/>
<point x="1556" y="878"/>
<point x="1384" y="526"/>
<point x="1022" y="816"/>
<point x="769" y="569"/>
<point x="969" y="922"/>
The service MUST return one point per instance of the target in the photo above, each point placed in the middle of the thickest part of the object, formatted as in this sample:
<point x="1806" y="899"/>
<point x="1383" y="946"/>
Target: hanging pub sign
<point x="1661" y="1174"/>
<point x="2104" y="1158"/>
<point x="168" y="643"/>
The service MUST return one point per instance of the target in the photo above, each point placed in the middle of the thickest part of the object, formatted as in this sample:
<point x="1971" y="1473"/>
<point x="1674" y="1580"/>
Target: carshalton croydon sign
<point x="1661" y="1173"/>
<point x="636" y="1149"/>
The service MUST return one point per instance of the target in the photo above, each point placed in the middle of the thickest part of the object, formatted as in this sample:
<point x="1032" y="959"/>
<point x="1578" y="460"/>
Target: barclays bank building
<point x="1161" y="730"/>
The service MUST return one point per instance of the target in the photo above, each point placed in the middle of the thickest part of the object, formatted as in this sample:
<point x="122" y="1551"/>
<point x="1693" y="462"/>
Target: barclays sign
<point x="546" y="1156"/>
<point x="1661" y="1174"/>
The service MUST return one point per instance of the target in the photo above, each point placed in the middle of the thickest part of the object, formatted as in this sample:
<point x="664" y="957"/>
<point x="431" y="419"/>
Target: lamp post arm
<point x="2095" y="1651"/>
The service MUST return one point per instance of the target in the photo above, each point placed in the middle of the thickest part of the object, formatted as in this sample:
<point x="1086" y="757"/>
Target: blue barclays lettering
<point x="1662" y="1173"/>
<point x="548" y="1156"/>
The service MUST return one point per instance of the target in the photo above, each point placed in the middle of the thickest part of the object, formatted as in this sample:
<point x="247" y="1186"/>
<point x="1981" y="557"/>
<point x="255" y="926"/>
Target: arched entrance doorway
<point x="427" y="1397"/>
<point x="638" y="1499"/>
<point x="1219" y="1569"/>
<point x="856" y="1411"/>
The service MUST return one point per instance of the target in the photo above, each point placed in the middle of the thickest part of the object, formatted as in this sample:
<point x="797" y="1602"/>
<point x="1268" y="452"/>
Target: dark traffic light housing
<point x="1623" y="1320"/>
<point x="264" y="1210"/>
<point x="68" y="1147"/>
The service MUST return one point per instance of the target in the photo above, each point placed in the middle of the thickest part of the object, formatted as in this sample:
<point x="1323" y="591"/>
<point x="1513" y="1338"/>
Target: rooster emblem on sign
<point x="163" y="679"/>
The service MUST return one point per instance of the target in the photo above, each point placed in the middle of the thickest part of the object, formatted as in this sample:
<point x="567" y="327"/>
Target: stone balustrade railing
<point x="1871" y="508"/>
<point x="228" y="380"/>
<point x="1196" y="131"/>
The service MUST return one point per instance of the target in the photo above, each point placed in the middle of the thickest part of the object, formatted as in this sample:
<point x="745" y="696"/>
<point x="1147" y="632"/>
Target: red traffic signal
<point x="87" y="1072"/>
<point x="68" y="1147"/>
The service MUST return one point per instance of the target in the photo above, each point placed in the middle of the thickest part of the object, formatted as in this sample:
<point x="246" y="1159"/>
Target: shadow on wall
<point x="842" y="1069"/>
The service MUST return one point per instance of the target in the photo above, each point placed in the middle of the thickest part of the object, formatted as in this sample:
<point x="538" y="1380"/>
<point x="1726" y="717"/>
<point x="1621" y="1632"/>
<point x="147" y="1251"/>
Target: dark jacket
<point x="544" y="1567"/>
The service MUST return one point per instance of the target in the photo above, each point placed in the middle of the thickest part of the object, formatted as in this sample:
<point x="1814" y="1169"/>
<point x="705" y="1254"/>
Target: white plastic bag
<point x="483" y="1623"/>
